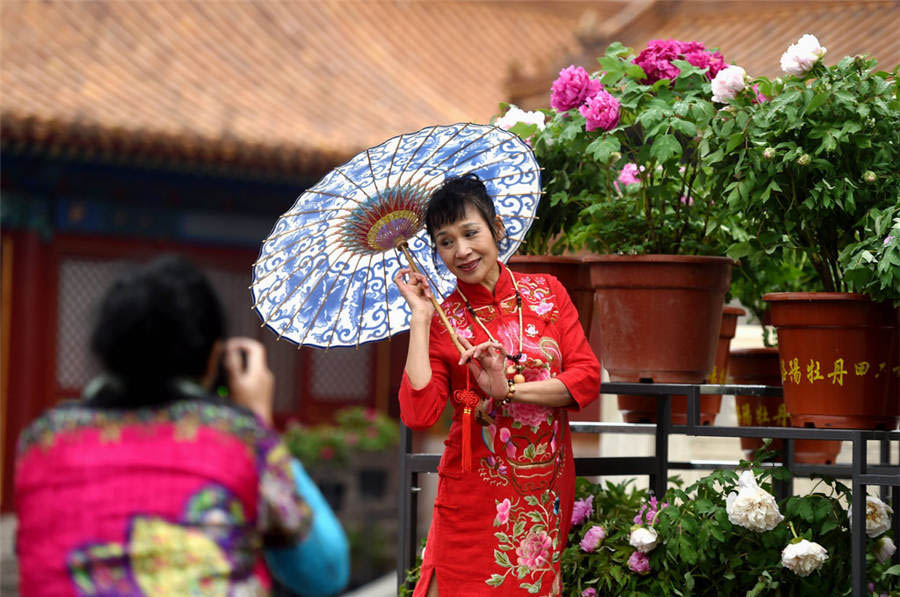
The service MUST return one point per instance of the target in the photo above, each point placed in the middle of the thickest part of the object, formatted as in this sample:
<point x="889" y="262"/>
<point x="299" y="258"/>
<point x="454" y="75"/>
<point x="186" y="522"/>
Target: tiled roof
<point x="750" y="34"/>
<point x="275" y="85"/>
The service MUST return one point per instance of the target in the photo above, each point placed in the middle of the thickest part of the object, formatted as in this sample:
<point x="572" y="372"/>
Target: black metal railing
<point x="657" y="467"/>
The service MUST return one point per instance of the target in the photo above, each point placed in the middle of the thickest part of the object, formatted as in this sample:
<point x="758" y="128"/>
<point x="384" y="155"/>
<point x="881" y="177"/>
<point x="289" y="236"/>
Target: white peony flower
<point x="643" y="539"/>
<point x="727" y="83"/>
<point x="752" y="507"/>
<point x="516" y="115"/>
<point x="878" y="516"/>
<point x="884" y="549"/>
<point x="804" y="557"/>
<point x="801" y="56"/>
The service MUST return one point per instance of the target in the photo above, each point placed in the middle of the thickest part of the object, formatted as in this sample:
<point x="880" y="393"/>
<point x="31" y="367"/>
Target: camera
<point x="220" y="383"/>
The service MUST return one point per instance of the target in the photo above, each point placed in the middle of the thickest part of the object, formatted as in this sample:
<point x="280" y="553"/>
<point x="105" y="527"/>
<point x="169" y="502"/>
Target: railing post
<point x="408" y="516"/>
<point x="663" y="424"/>
<point x="858" y="518"/>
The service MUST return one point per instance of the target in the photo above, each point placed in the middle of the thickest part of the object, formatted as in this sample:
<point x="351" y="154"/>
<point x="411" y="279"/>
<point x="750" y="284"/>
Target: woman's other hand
<point x="250" y="381"/>
<point x="415" y="289"/>
<point x="490" y="370"/>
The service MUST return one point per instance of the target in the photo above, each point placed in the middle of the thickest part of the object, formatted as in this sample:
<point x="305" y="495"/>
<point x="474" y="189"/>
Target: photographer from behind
<point x="151" y="483"/>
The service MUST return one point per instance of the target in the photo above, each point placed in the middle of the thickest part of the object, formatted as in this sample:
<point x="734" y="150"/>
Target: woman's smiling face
<point x="469" y="250"/>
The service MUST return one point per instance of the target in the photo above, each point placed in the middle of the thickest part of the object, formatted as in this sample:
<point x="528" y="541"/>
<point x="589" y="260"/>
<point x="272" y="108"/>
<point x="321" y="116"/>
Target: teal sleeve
<point x="320" y="564"/>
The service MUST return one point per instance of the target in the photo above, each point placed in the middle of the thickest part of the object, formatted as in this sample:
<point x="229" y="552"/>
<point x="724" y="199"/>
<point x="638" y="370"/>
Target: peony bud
<point x="885" y="549"/>
<point x="804" y="159"/>
<point x="803" y="557"/>
<point x="769" y="153"/>
<point x="615" y="157"/>
<point x="869" y="176"/>
<point x="639" y="562"/>
<point x="644" y="539"/>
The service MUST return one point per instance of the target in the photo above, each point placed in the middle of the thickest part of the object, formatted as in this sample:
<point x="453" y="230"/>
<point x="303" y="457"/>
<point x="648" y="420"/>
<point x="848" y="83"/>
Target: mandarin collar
<point x="479" y="295"/>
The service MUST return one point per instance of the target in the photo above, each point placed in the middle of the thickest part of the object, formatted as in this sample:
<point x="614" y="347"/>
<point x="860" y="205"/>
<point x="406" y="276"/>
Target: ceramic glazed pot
<point x="759" y="366"/>
<point x="658" y="318"/>
<point x="838" y="358"/>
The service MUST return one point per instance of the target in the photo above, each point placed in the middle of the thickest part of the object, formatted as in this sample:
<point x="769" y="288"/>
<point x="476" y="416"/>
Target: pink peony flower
<point x="592" y="538"/>
<point x="582" y="510"/>
<point x="639" y="562"/>
<point x="656" y="59"/>
<point x="534" y="550"/>
<point x="589" y="592"/>
<point x="573" y="86"/>
<point x="601" y="111"/>
<point x="502" y="512"/>
<point x="648" y="511"/>
<point x="629" y="174"/>
<point x="530" y="415"/>
<point x="728" y="83"/>
<point x="504" y="434"/>
<point x="702" y="58"/>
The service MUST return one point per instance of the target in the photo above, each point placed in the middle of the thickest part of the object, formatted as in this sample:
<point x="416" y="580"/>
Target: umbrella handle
<point x="404" y="248"/>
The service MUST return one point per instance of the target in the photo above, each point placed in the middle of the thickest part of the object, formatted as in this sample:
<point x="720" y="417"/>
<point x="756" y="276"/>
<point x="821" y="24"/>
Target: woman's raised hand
<point x="414" y="288"/>
<point x="489" y="372"/>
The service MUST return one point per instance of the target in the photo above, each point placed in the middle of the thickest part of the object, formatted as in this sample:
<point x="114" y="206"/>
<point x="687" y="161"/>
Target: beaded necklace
<point x="516" y="360"/>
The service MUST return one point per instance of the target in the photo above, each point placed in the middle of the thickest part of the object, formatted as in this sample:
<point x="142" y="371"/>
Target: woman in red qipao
<point x="506" y="488"/>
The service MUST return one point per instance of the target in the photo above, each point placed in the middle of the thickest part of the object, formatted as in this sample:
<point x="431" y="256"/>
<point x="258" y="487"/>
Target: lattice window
<point x="342" y="374"/>
<point x="82" y="283"/>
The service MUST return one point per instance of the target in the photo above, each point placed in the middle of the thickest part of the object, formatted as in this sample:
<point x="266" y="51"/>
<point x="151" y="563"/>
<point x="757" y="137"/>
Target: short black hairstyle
<point x="448" y="204"/>
<point x="157" y="323"/>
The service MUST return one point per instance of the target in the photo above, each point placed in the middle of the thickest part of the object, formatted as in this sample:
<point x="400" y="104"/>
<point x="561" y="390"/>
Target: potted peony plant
<point x="624" y="177"/>
<point x="808" y="163"/>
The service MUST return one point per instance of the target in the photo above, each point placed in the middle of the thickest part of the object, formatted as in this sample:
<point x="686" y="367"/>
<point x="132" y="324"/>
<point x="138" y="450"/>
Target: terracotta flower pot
<point x="575" y="276"/>
<point x="658" y="318"/>
<point x="759" y="366"/>
<point x="838" y="359"/>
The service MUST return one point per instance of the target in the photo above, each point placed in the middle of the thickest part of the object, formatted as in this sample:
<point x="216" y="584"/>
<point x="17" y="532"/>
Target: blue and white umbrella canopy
<point x="324" y="274"/>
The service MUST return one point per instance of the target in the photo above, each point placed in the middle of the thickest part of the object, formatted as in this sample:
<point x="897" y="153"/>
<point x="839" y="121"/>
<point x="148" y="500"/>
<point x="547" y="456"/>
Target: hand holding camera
<point x="250" y="381"/>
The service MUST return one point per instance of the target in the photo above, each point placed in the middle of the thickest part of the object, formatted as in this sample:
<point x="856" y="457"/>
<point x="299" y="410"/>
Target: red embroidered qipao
<point x="499" y="528"/>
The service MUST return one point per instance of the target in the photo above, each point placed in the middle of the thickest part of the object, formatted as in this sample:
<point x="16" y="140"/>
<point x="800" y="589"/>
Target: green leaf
<point x="602" y="148"/>
<point x="524" y="130"/>
<point x="893" y="570"/>
<point x="804" y="509"/>
<point x="733" y="141"/>
<point x="816" y="101"/>
<point x="684" y="127"/>
<point x="502" y="559"/>
<point x="664" y="148"/>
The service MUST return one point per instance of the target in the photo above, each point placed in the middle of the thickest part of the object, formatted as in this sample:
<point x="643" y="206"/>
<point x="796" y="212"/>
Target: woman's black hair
<point x="448" y="204"/>
<point x="158" y="323"/>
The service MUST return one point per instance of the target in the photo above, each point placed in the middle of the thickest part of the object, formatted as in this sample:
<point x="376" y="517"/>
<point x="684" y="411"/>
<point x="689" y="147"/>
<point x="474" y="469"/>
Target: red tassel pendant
<point x="469" y="400"/>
